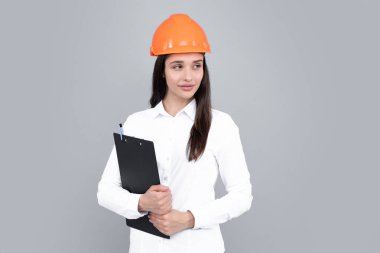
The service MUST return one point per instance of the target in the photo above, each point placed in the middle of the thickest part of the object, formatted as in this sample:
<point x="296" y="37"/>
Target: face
<point x="183" y="74"/>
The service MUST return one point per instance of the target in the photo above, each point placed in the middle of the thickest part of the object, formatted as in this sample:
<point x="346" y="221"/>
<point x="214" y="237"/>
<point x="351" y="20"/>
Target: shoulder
<point x="222" y="121"/>
<point x="140" y="115"/>
<point x="223" y="130"/>
<point x="138" y="119"/>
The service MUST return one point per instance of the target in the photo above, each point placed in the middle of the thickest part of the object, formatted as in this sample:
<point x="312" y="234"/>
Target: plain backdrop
<point x="300" y="79"/>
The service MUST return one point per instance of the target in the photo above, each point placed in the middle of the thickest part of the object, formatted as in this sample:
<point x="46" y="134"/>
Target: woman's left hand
<point x="172" y="222"/>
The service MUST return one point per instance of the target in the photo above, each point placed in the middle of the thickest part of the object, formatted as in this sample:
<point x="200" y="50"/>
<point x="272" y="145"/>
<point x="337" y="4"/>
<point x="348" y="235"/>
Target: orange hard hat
<point x="179" y="34"/>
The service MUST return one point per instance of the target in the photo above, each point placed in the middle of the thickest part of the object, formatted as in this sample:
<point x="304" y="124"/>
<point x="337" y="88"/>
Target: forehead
<point x="185" y="57"/>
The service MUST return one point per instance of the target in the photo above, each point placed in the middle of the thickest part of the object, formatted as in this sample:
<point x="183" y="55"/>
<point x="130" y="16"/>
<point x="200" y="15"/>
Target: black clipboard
<point x="138" y="171"/>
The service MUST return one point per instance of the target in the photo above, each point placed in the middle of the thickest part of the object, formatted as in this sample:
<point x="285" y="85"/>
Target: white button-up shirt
<point x="191" y="183"/>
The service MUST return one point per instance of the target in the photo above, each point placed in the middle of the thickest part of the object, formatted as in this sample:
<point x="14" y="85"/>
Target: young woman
<point x="193" y="143"/>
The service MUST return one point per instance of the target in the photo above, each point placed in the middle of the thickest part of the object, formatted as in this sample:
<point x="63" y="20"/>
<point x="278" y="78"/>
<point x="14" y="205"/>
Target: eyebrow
<point x="201" y="60"/>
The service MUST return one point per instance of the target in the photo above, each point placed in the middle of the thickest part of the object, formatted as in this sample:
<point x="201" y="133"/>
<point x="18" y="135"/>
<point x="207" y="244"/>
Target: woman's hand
<point x="157" y="199"/>
<point x="172" y="222"/>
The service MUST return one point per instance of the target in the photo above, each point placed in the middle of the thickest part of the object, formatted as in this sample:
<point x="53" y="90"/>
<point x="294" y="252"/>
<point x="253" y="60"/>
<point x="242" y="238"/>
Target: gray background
<point x="300" y="78"/>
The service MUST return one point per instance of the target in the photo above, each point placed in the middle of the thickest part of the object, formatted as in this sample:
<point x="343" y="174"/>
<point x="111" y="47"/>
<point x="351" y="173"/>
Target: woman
<point x="193" y="143"/>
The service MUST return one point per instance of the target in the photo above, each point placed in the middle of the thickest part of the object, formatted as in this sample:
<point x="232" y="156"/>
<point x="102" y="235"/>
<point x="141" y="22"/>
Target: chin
<point x="187" y="96"/>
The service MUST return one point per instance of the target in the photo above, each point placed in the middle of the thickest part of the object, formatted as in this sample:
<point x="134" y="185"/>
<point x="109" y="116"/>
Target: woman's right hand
<point x="157" y="199"/>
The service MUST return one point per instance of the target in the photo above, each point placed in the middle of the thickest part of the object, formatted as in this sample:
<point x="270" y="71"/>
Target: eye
<point x="197" y="66"/>
<point x="176" y="67"/>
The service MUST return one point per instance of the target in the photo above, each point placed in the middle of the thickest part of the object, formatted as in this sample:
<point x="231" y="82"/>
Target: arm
<point x="236" y="179"/>
<point x="172" y="222"/>
<point x="112" y="196"/>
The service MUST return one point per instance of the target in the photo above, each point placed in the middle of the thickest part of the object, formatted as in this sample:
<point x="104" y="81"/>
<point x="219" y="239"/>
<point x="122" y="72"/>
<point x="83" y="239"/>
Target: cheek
<point x="199" y="77"/>
<point x="171" y="81"/>
<point x="170" y="78"/>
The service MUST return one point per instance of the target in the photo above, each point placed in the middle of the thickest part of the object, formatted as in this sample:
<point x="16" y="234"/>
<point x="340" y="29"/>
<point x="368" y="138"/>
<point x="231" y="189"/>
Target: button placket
<point x="170" y="144"/>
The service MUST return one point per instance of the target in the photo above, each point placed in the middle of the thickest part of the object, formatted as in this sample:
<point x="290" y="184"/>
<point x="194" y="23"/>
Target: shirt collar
<point x="189" y="109"/>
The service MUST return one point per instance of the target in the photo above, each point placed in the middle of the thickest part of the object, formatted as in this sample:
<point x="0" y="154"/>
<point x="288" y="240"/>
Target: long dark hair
<point x="202" y="122"/>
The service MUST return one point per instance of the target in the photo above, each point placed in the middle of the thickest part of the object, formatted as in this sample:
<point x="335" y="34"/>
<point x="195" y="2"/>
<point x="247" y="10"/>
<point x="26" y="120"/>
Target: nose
<point x="187" y="75"/>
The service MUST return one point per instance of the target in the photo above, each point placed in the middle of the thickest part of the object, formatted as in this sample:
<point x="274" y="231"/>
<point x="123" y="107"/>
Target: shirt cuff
<point x="197" y="218"/>
<point x="135" y="200"/>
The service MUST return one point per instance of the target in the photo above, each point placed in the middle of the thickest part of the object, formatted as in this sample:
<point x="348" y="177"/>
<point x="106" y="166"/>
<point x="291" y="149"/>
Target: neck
<point x="173" y="106"/>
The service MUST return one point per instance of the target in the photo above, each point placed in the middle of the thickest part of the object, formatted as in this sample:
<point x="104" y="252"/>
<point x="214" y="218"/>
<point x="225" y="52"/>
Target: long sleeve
<point x="236" y="179"/>
<point x="112" y="196"/>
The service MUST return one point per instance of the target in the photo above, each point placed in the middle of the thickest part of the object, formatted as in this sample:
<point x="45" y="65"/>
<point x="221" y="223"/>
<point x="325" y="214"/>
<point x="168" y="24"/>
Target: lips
<point x="186" y="87"/>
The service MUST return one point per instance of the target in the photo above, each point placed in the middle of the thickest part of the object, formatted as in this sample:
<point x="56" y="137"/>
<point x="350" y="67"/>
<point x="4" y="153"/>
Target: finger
<point x="154" y="223"/>
<point x="160" y="228"/>
<point x="163" y="201"/>
<point x="159" y="187"/>
<point x="164" y="195"/>
<point x="168" y="200"/>
<point x="152" y="217"/>
<point x="168" y="208"/>
<point x="156" y="217"/>
<point x="157" y="223"/>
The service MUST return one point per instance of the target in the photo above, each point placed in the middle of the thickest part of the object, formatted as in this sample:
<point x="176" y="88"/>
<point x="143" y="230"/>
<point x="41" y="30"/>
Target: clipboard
<point x="138" y="172"/>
